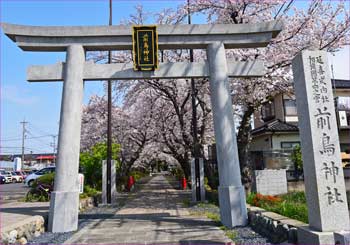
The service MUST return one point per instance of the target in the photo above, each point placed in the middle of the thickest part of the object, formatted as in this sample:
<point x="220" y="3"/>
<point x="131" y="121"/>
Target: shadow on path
<point x="154" y="216"/>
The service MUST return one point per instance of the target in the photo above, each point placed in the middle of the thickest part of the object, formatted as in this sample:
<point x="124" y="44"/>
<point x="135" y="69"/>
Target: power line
<point x="36" y="137"/>
<point x="40" y="141"/>
<point x="39" y="130"/>
<point x="11" y="147"/>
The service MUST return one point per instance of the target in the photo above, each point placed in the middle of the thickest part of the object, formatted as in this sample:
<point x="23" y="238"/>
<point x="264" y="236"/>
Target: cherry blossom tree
<point x="321" y="25"/>
<point x="156" y="114"/>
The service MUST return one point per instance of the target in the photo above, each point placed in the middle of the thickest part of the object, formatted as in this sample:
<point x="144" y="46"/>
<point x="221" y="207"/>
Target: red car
<point x="22" y="174"/>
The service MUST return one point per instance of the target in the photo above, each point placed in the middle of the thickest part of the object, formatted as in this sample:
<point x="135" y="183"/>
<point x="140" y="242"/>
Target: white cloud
<point x="17" y="95"/>
<point x="341" y="63"/>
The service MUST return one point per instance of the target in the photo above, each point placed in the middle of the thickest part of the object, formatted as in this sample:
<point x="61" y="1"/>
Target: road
<point x="12" y="192"/>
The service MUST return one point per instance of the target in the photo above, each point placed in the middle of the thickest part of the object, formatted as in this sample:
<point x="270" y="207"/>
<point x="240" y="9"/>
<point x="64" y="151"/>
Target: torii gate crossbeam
<point x="76" y="40"/>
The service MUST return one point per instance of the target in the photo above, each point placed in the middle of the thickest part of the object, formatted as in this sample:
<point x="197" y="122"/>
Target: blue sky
<point x="39" y="103"/>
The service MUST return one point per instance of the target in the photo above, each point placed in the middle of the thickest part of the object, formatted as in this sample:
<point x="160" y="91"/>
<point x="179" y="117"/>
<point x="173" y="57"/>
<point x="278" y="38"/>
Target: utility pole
<point x="194" y="122"/>
<point x="109" y="121"/>
<point x="53" y="144"/>
<point x="23" y="137"/>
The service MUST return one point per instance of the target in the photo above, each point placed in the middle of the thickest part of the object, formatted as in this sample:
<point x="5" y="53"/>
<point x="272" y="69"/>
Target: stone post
<point x="233" y="209"/>
<point x="201" y="180"/>
<point x="323" y="172"/>
<point x="113" y="183"/>
<point x="64" y="205"/>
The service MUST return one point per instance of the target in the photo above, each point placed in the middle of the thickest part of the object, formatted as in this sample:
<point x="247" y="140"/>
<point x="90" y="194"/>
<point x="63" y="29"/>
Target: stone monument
<point x="200" y="182"/>
<point x="113" y="183"/>
<point x="323" y="172"/>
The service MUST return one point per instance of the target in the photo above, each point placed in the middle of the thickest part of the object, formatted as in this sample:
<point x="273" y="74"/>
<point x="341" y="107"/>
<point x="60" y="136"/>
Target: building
<point x="44" y="159"/>
<point x="276" y="131"/>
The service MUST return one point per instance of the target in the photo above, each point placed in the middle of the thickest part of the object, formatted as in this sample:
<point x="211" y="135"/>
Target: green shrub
<point x="91" y="162"/>
<point x="89" y="192"/>
<point x="212" y="196"/>
<point x="295" y="197"/>
<point x="33" y="197"/>
<point x="297" y="158"/>
<point x="292" y="205"/>
<point x="46" y="179"/>
<point x="137" y="175"/>
<point x="38" y="194"/>
<point x="178" y="172"/>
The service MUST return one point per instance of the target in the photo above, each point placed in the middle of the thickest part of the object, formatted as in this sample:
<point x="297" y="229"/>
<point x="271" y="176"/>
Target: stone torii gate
<point x="78" y="39"/>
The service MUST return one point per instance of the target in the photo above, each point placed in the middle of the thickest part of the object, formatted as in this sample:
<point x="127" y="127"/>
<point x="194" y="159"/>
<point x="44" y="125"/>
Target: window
<point x="289" y="144"/>
<point x="345" y="148"/>
<point x="343" y="103"/>
<point x="268" y="111"/>
<point x="45" y="171"/>
<point x="290" y="107"/>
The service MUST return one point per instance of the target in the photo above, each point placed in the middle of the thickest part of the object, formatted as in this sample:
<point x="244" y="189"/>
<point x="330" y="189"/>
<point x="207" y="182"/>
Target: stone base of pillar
<point x="64" y="209"/>
<point x="233" y="210"/>
<point x="309" y="236"/>
<point x="342" y="237"/>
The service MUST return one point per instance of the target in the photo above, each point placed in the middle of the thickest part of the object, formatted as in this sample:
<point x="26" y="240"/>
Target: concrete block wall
<point x="270" y="182"/>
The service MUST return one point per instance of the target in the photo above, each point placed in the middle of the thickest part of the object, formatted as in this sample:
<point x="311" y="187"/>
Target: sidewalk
<point x="154" y="216"/>
<point x="16" y="212"/>
<point x="20" y="221"/>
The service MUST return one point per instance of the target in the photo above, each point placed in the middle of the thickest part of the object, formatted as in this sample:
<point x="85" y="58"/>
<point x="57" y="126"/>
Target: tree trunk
<point x="243" y="140"/>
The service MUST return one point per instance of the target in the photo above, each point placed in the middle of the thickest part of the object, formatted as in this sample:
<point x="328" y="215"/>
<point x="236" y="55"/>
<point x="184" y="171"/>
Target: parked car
<point x="7" y="175"/>
<point x="16" y="178"/>
<point x="30" y="178"/>
<point x="2" y="179"/>
<point x="22" y="174"/>
<point x="28" y="172"/>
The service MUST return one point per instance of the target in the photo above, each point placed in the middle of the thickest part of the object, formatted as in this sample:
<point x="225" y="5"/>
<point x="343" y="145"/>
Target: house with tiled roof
<point x="276" y="131"/>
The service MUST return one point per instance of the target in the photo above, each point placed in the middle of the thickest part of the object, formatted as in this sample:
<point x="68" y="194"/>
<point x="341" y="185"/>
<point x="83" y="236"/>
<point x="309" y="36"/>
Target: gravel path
<point x="243" y="235"/>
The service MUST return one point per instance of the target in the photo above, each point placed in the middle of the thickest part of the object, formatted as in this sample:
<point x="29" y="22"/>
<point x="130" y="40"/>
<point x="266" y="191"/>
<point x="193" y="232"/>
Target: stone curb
<point x="13" y="197"/>
<point x="33" y="226"/>
<point x="277" y="228"/>
<point x="24" y="230"/>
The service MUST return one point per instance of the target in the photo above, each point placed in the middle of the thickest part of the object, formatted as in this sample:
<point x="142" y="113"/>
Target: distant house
<point x="43" y="159"/>
<point x="276" y="130"/>
<point x="48" y="158"/>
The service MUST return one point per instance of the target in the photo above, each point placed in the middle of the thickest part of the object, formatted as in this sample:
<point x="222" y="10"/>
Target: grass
<point x="292" y="205"/>
<point x="214" y="217"/>
<point x="186" y="203"/>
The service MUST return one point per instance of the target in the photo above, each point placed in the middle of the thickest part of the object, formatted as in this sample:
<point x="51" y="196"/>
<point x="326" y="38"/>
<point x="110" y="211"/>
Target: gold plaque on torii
<point x="145" y="48"/>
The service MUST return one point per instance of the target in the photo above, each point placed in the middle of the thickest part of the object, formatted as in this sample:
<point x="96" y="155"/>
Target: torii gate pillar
<point x="64" y="205"/>
<point x="233" y="210"/>
<point x="215" y="38"/>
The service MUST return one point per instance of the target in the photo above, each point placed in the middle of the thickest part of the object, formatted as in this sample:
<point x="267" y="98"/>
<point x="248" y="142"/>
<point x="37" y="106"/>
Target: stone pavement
<point x="154" y="216"/>
<point x="20" y="221"/>
<point x="17" y="212"/>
